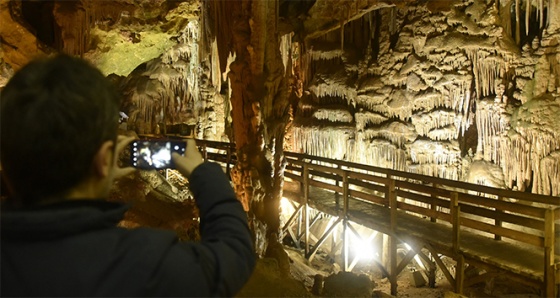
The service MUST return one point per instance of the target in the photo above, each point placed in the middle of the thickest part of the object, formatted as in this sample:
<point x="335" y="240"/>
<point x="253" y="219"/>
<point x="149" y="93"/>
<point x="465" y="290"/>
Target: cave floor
<point x="267" y="281"/>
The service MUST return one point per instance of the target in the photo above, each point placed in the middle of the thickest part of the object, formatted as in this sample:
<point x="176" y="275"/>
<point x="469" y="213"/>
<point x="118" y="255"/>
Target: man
<point x="59" y="145"/>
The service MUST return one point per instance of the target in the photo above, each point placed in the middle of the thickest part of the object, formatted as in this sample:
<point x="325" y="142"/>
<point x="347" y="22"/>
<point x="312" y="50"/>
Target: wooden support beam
<point x="459" y="274"/>
<point x="407" y="258"/>
<point x="480" y="278"/>
<point x="441" y="265"/>
<point x="306" y="206"/>
<point x="549" y="268"/>
<point x="289" y="223"/>
<point x="311" y="222"/>
<point x="393" y="264"/>
<point x="431" y="268"/>
<point x="393" y="239"/>
<point x="384" y="271"/>
<point x="321" y="240"/>
<point x="345" y="235"/>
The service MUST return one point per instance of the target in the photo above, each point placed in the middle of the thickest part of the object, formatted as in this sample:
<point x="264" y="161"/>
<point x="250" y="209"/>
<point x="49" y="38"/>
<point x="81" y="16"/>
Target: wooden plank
<point x="293" y="176"/>
<point x="423" y="212"/>
<point x="503" y="217"/>
<point x="422" y="199"/>
<point x="422" y="188"/>
<point x="293" y="167"/>
<point x="368" y="177"/>
<point x="327" y="176"/>
<point x="325" y="185"/>
<point x="324" y="169"/>
<point x="503" y="205"/>
<point x="366" y="196"/>
<point x="369" y="186"/>
<point x="504" y="232"/>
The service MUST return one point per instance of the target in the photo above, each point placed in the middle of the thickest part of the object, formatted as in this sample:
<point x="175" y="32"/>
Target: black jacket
<point x="75" y="249"/>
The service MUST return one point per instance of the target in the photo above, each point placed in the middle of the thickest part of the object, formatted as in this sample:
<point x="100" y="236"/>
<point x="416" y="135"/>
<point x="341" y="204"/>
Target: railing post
<point x="204" y="152"/>
<point x="498" y="222"/>
<point x="306" y="206"/>
<point x="301" y="184"/>
<point x="433" y="206"/>
<point x="455" y="222"/>
<point x="228" y="161"/>
<point x="336" y="194"/>
<point x="345" y="220"/>
<point x="393" y="238"/>
<point x="549" y="239"/>
<point x="455" y="210"/>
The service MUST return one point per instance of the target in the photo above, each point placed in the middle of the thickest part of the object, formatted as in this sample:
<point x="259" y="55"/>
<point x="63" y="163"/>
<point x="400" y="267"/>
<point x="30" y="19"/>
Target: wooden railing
<point x="524" y="217"/>
<point x="497" y="213"/>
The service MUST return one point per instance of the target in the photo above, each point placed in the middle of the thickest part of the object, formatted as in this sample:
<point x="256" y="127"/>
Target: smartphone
<point x="155" y="154"/>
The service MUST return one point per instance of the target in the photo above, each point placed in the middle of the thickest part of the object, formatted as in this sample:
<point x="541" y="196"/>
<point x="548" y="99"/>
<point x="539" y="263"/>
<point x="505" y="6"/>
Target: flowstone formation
<point x="454" y="90"/>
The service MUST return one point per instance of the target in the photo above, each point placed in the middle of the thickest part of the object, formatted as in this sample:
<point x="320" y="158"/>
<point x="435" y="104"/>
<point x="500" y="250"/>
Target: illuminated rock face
<point x="418" y="82"/>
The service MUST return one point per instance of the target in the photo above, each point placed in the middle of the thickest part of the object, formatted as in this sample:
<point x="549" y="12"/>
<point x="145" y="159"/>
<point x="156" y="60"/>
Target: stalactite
<point x="541" y="14"/>
<point x="379" y="153"/>
<point x="321" y="141"/>
<point x="527" y="15"/>
<point x="491" y="124"/>
<point x="426" y="122"/>
<point x="215" y="66"/>
<point x="285" y="49"/>
<point x="487" y="69"/>
<point x="517" y="23"/>
<point x="551" y="176"/>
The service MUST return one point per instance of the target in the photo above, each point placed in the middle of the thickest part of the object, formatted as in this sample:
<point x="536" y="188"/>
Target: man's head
<point x="55" y="115"/>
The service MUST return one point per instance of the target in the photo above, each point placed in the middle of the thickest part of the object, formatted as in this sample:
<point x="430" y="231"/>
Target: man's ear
<point x="103" y="160"/>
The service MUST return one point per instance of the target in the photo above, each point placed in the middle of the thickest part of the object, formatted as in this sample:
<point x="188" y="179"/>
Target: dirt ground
<point x="268" y="281"/>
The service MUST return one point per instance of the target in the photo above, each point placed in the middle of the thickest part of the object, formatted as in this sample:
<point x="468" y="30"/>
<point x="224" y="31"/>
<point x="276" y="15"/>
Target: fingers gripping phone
<point x="154" y="154"/>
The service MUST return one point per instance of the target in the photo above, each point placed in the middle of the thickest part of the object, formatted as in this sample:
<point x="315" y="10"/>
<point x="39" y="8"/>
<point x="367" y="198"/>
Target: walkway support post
<point x="345" y="220"/>
<point x="433" y="206"/>
<point x="393" y="240"/>
<point x="549" y="267"/>
<point x="455" y="221"/>
<point x="497" y="222"/>
<point x="306" y="205"/>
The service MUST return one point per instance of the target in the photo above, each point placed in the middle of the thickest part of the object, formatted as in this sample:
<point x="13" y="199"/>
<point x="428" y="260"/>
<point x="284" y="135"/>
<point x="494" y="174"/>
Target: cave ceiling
<point x="119" y="35"/>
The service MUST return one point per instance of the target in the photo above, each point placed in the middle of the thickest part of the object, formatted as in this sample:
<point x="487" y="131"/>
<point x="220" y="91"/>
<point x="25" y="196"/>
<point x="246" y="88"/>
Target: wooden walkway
<point x="502" y="232"/>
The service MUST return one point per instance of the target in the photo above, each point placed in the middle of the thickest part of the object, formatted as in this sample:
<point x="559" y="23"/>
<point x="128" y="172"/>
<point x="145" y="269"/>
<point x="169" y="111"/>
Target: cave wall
<point x="464" y="90"/>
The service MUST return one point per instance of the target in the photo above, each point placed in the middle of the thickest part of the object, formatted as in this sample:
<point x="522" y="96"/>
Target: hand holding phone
<point x="192" y="159"/>
<point x="155" y="154"/>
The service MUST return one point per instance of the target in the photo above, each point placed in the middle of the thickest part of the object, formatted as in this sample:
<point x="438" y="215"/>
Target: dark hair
<point x="54" y="115"/>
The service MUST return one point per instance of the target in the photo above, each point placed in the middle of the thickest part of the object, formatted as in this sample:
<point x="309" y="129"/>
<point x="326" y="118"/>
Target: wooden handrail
<point x="424" y="196"/>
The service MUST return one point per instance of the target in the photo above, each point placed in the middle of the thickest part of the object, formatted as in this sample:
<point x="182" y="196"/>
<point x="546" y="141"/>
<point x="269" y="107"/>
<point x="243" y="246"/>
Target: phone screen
<point x="154" y="154"/>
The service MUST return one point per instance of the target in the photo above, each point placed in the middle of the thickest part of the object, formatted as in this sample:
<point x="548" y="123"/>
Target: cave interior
<point x="466" y="90"/>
